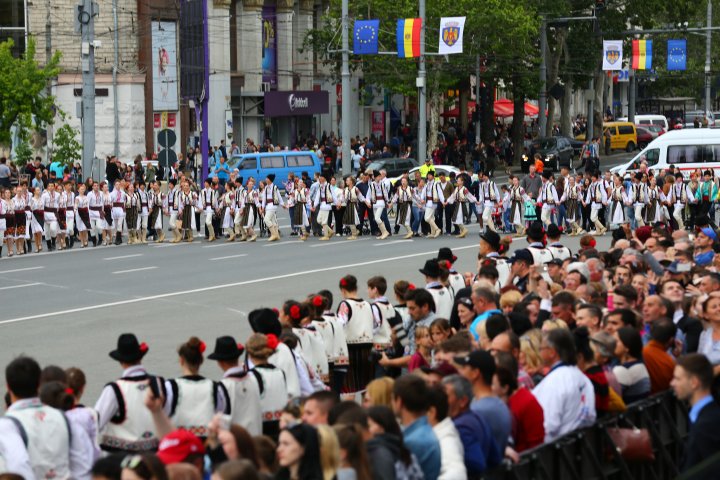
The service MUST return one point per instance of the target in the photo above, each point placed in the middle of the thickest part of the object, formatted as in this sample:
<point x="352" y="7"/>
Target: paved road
<point x="69" y="307"/>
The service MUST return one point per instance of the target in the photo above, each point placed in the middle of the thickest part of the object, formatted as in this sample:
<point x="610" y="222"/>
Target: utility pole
<point x="422" y="100"/>
<point x="86" y="16"/>
<point x="708" y="101"/>
<point x="632" y="95"/>
<point x="48" y="83"/>
<point x="477" y="100"/>
<point x="116" y="62"/>
<point x="590" y="106"/>
<point x="345" y="94"/>
<point x="542" y="97"/>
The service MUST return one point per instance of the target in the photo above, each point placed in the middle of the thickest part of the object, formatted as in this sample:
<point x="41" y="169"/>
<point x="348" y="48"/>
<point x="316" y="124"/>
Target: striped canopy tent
<point x="502" y="108"/>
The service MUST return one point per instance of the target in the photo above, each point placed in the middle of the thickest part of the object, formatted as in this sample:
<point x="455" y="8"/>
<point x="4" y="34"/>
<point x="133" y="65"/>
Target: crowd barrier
<point x="590" y="453"/>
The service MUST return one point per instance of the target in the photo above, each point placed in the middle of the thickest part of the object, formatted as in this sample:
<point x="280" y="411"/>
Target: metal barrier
<point x="590" y="453"/>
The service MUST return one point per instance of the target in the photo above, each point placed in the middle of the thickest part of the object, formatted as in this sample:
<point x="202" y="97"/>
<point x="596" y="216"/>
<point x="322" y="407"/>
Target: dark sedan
<point x="394" y="166"/>
<point x="556" y="152"/>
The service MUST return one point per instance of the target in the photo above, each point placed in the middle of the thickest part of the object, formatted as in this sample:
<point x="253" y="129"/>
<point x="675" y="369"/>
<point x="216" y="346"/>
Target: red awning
<point x="502" y="108"/>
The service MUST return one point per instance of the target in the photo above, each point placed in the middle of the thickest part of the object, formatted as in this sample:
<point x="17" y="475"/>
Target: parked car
<point x="644" y="136"/>
<point x="556" y="152"/>
<point x="656" y="130"/>
<point x="394" y="166"/>
<point x="447" y="169"/>
<point x="644" y="120"/>
<point x="259" y="165"/>
<point x="623" y="136"/>
<point x="691" y="115"/>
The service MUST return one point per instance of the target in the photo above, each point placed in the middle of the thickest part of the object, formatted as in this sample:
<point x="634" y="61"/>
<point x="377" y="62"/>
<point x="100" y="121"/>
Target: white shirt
<point x="107" y="406"/>
<point x="452" y="452"/>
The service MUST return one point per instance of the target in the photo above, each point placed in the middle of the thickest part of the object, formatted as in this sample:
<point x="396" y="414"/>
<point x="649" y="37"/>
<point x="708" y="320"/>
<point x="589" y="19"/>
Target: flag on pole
<point x="612" y="55"/>
<point x="677" y="54"/>
<point x="365" y="37"/>
<point x="451" y="35"/>
<point x="642" y="54"/>
<point x="408" y="37"/>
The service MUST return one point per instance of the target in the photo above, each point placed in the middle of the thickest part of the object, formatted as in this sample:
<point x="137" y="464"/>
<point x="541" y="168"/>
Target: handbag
<point x="633" y="444"/>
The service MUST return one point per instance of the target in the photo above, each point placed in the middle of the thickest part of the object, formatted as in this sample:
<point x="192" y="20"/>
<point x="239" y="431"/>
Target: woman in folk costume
<point x="250" y="210"/>
<point x="352" y="196"/>
<point x="107" y="213"/>
<point x="82" y="212"/>
<point x="403" y="198"/>
<point x="38" y="219"/>
<point x="68" y="199"/>
<point x="240" y="192"/>
<point x="227" y="210"/>
<point x="193" y="400"/>
<point x="572" y="197"/>
<point x="298" y="316"/>
<point x="186" y="203"/>
<point x="300" y="196"/>
<point x="461" y="198"/>
<point x="655" y="198"/>
<point x="618" y="201"/>
<point x="7" y="221"/>
<point x="132" y="213"/>
<point x="356" y="317"/>
<point x="518" y="197"/>
<point x="19" y="202"/>
<point x="155" y="219"/>
<point x="274" y="394"/>
<point x="333" y="336"/>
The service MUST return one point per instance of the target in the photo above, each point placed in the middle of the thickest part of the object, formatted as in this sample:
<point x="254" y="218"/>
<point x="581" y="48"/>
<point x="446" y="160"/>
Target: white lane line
<point x="280" y="243"/>
<point x="124" y="256"/>
<point x="229" y="256"/>
<point x="21" y="286"/>
<point x="135" y="270"/>
<point x="226" y="244"/>
<point x="391" y="243"/>
<point x="225" y="285"/>
<point x="21" y="270"/>
<point x="342" y="241"/>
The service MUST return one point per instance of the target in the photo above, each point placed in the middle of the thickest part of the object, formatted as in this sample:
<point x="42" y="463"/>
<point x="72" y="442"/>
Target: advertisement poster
<point x="165" y="72"/>
<point x="378" y="123"/>
<point x="269" y="46"/>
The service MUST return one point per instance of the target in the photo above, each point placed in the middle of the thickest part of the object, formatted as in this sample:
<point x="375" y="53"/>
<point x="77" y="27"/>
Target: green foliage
<point x="22" y="89"/>
<point x="66" y="148"/>
<point x="23" y="151"/>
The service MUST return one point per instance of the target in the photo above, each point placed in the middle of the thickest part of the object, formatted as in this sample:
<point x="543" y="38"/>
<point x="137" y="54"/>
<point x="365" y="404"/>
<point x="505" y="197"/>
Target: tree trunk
<point x="518" y="122"/>
<point x="434" y="100"/>
<point x="552" y="77"/>
<point x="565" y="117"/>
<point x="487" y="125"/>
<point x="600" y="79"/>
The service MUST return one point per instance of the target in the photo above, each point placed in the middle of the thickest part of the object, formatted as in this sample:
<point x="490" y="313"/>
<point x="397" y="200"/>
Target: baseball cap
<point x="177" y="445"/>
<point x="522" y="254"/>
<point x="710" y="233"/>
<point x="480" y="359"/>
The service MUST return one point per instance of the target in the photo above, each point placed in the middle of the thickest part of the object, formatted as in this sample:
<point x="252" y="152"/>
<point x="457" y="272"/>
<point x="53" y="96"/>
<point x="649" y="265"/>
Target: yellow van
<point x="622" y="136"/>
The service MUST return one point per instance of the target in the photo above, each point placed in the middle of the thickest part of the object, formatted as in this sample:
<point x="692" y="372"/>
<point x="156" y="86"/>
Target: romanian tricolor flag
<point x="642" y="54"/>
<point x="408" y="37"/>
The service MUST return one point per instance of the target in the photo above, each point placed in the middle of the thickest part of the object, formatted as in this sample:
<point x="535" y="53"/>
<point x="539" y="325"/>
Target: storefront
<point x="292" y="116"/>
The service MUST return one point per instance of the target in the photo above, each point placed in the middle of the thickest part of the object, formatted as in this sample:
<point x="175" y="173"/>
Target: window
<point x="272" y="162"/>
<point x="300" y="161"/>
<point x="659" y="123"/>
<point x="249" y="164"/>
<point x="693" y="153"/>
<point x="626" y="129"/>
<point x="12" y="21"/>
<point x="652" y="156"/>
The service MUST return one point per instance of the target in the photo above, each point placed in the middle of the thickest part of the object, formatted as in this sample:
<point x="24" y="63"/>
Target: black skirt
<point x="153" y="216"/>
<point x="402" y="213"/>
<point x="62" y="218"/>
<point x="298" y="214"/>
<point x="187" y="215"/>
<point x="107" y="211"/>
<point x="350" y="217"/>
<point x="131" y="215"/>
<point x="84" y="215"/>
<point x="360" y="370"/>
<point x="246" y="215"/>
<point x="20" y="221"/>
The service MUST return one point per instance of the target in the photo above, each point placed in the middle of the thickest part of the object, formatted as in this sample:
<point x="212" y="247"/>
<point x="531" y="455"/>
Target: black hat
<point x="128" y="349"/>
<point x="376" y="173"/>
<point x="523" y="254"/>
<point x="265" y="320"/>
<point x="555" y="261"/>
<point x="431" y="268"/>
<point x="547" y="174"/>
<point x="536" y="231"/>
<point x="554" y="231"/>
<point x="492" y="238"/>
<point x="446" y="254"/>
<point x="480" y="359"/>
<point x="638" y="176"/>
<point x="226" y="349"/>
<point x="271" y="177"/>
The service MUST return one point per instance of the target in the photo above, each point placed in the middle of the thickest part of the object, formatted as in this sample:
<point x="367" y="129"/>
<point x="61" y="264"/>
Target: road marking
<point x="21" y="270"/>
<point x="227" y="244"/>
<point x="280" y="243"/>
<point x="135" y="270"/>
<point x="124" y="256"/>
<point x="21" y="286"/>
<point x="341" y="242"/>
<point x="229" y="256"/>
<point x="225" y="285"/>
<point x="391" y="243"/>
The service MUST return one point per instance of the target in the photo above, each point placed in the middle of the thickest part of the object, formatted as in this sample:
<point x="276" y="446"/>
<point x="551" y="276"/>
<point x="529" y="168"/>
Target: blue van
<point x="259" y="165"/>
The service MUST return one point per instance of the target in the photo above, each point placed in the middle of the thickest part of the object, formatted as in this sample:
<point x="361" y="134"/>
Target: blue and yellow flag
<point x="365" y="37"/>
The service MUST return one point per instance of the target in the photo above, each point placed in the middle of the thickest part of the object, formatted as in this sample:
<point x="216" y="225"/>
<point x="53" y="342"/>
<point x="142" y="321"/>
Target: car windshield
<point x="545" y="143"/>
<point x="375" y="166"/>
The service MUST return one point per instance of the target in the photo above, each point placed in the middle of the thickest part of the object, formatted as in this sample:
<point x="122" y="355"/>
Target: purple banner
<point x="296" y="103"/>
<point x="269" y="46"/>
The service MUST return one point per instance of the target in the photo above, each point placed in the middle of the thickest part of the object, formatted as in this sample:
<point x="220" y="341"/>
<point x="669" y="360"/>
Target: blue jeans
<point x="506" y="220"/>
<point x="415" y="220"/>
<point x="291" y="210"/>
<point x="561" y="215"/>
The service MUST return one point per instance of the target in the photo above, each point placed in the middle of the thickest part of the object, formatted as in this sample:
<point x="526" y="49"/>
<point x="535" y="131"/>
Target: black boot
<point x="71" y="242"/>
<point x="28" y="246"/>
<point x="54" y="243"/>
<point x="93" y="239"/>
<point x="98" y="241"/>
<point x="118" y="239"/>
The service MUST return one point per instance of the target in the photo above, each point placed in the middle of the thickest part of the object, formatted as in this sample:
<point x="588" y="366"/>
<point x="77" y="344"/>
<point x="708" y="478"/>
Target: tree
<point x="22" y="89"/>
<point x="66" y="149"/>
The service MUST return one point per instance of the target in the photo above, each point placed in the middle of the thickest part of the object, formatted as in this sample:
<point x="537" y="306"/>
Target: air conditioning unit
<point x="265" y="87"/>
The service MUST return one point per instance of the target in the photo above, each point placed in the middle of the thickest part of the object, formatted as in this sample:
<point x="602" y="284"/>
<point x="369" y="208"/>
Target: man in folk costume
<point x="596" y="196"/>
<point x="132" y="210"/>
<point x="271" y="198"/>
<point x="250" y="207"/>
<point x="490" y="197"/>
<point x="239" y="231"/>
<point x="607" y="182"/>
<point x="208" y="197"/>
<point x="656" y="200"/>
<point x="125" y="424"/>
<point x="555" y="246"/>
<point x="323" y="202"/>
<point x="456" y="279"/>
<point x="97" y="224"/>
<point x="186" y="203"/>
<point x="143" y="211"/>
<point x="356" y="317"/>
<point x="548" y="199"/>
<point x="571" y="198"/>
<point x="171" y="209"/>
<point x="518" y="197"/>
<point x="443" y="297"/>
<point x="447" y="211"/>
<point x="155" y="219"/>
<point x="378" y="195"/>
<point x="462" y="200"/>
<point x="119" y="199"/>
<point x="226" y="210"/>
<point x="50" y="199"/>
<point x="290" y="194"/>
<point x="353" y="198"/>
<point x="404" y="199"/>
<point x="243" y="387"/>
<point x="537" y="239"/>
<point x="637" y="194"/>
<point x="679" y="194"/>
<point x="301" y="221"/>
<point x="433" y="199"/>
<point x="490" y="245"/>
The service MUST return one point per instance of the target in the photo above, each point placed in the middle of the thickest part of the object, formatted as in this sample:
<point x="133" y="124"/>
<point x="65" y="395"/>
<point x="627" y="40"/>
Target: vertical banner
<point x="612" y="55"/>
<point x="451" y="35"/>
<point x="269" y="46"/>
<point x="165" y="73"/>
<point x="377" y="125"/>
<point x="677" y="54"/>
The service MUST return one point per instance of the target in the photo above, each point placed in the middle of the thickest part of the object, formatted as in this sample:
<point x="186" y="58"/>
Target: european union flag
<point x="677" y="54"/>
<point x="365" y="37"/>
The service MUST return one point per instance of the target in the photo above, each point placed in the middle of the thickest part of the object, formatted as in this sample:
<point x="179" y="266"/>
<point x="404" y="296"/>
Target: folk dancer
<point x="317" y="305"/>
<point x="618" y="200"/>
<point x="82" y="211"/>
<point x="536" y="237"/>
<point x="274" y="395"/>
<point x="95" y="206"/>
<point x="290" y="196"/>
<point x="19" y="202"/>
<point x="455" y="278"/>
<point x="678" y="200"/>
<point x="693" y="203"/>
<point x="271" y="199"/>
<point x="637" y="194"/>
<point x="706" y="195"/>
<point x="655" y="200"/>
<point x="341" y="360"/>
<point x="240" y="194"/>
<point x="143" y="211"/>
<point x="7" y="222"/>
<point x="50" y="200"/>
<point x="489" y="196"/>
<point x="356" y="317"/>
<point x="250" y="207"/>
<point x="323" y="202"/>
<point x="119" y="198"/>
<point x="68" y="199"/>
<point x="433" y="199"/>
<point x="107" y="213"/>
<point x="155" y="219"/>
<point x="461" y="198"/>
<point x="404" y="199"/>
<point x="311" y="346"/>
<point x="227" y="211"/>
<point x="383" y="312"/>
<point x="300" y="197"/>
<point x="442" y="296"/>
<point x="597" y="198"/>
<point x="353" y="197"/>
<point x="571" y="198"/>
<point x="378" y="195"/>
<point x="186" y="205"/>
<point x="547" y="199"/>
<point x="556" y="247"/>
<point x="171" y="209"/>
<point x="132" y="210"/>
<point x="518" y="197"/>
<point x="38" y="219"/>
<point x="208" y="197"/>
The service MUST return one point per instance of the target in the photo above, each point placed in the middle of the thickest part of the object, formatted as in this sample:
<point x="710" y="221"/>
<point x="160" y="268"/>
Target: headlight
<point x="550" y="156"/>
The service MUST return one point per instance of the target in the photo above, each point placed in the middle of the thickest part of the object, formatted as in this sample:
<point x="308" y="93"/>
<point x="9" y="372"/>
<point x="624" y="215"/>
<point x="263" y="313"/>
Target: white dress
<point x="617" y="206"/>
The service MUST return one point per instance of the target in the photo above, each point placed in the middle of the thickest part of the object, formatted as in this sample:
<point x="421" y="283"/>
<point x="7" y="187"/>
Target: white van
<point x="658" y="120"/>
<point x="686" y="149"/>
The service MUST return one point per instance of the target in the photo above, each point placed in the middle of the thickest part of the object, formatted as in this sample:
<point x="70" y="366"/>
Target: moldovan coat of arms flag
<point x="451" y="35"/>
<point x="612" y="55"/>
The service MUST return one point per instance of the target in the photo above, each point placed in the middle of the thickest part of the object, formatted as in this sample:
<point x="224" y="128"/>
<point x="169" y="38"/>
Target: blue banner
<point x="365" y="37"/>
<point x="677" y="54"/>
